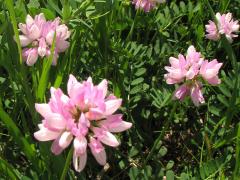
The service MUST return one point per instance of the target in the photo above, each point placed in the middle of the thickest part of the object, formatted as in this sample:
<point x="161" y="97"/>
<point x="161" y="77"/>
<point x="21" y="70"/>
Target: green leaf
<point x="140" y="71"/>
<point x="48" y="13"/>
<point x="170" y="164"/>
<point x="163" y="151"/>
<point x="170" y="175"/>
<point x="133" y="173"/>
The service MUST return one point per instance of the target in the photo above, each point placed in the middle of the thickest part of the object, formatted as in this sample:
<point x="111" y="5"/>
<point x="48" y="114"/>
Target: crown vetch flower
<point x="189" y="70"/>
<point x="37" y="34"/>
<point x="146" y="5"/>
<point x="225" y="25"/>
<point x="85" y="117"/>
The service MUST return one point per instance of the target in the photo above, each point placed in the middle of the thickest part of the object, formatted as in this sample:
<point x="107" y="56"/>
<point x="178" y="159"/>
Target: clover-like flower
<point x="190" y="70"/>
<point x="37" y="38"/>
<point x="85" y="117"/>
<point x="225" y="25"/>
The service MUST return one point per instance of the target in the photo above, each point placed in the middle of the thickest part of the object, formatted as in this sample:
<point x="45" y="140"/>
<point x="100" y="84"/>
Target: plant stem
<point x="228" y="48"/>
<point x="66" y="166"/>
<point x="237" y="165"/>
<point x="156" y="142"/>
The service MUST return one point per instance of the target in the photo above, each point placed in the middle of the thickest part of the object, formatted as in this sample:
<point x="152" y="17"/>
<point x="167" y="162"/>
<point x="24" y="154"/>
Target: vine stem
<point x="66" y="166"/>
<point x="156" y="142"/>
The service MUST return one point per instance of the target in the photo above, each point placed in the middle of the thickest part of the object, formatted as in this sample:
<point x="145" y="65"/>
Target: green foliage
<point x="110" y="39"/>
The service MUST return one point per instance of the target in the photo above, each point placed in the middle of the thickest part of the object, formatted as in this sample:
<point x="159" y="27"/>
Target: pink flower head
<point x="85" y="117"/>
<point x="38" y="34"/>
<point x="189" y="70"/>
<point x="146" y="5"/>
<point x="225" y="25"/>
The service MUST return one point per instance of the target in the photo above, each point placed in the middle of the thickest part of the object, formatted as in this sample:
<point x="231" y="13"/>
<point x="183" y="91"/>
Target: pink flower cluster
<point x="190" y="70"/>
<point x="146" y="5"/>
<point x="37" y="38"/>
<point x="225" y="25"/>
<point x="85" y="117"/>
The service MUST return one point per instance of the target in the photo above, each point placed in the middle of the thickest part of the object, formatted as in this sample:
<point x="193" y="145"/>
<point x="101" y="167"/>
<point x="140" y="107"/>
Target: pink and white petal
<point x="197" y="96"/>
<point x="49" y="37"/>
<point x="43" y="109"/>
<point x="24" y="40"/>
<point x="62" y="45"/>
<point x="34" y="33"/>
<point x="55" y="148"/>
<point x="29" y="20"/>
<point x="174" y="62"/>
<point x="80" y="145"/>
<point x="71" y="83"/>
<point x="100" y="157"/>
<point x="181" y="92"/>
<point x="103" y="85"/>
<point x="55" y="121"/>
<point x="109" y="139"/>
<point x="203" y="67"/>
<point x="79" y="161"/>
<point x="89" y="79"/>
<point x="210" y="73"/>
<point x="112" y="106"/>
<point x="45" y="134"/>
<point x="41" y="17"/>
<point x="32" y="57"/>
<point x="94" y="114"/>
<point x="122" y="126"/>
<point x="65" y="139"/>
<point x="214" y="81"/>
<point x="112" y="121"/>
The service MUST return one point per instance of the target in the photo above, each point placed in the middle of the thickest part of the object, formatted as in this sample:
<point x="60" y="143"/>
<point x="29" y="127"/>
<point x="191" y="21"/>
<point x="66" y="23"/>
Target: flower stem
<point x="165" y="126"/>
<point x="237" y="164"/>
<point x="66" y="166"/>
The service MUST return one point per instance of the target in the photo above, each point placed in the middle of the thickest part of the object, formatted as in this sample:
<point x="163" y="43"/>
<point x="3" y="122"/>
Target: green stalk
<point x="66" y="166"/>
<point x="233" y="59"/>
<point x="165" y="127"/>
<point x="43" y="82"/>
<point x="237" y="165"/>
